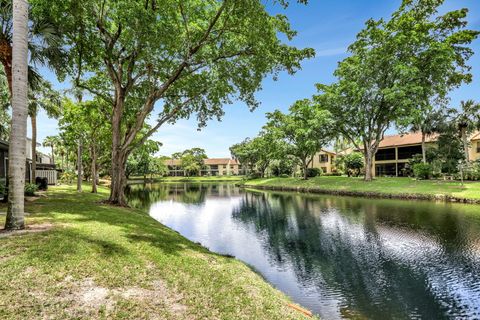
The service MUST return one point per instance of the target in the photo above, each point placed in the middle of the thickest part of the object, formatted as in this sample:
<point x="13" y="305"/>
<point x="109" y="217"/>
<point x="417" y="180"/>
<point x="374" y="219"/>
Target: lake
<point x="340" y="257"/>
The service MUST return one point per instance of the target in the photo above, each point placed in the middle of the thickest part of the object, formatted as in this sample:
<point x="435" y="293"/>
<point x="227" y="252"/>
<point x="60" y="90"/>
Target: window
<point x="385" y="170"/>
<point x="385" y="154"/>
<point x="323" y="158"/>
<point x="409" y="152"/>
<point x="478" y="147"/>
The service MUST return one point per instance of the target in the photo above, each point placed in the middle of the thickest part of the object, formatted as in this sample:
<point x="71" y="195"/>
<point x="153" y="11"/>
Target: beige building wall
<point x="474" y="152"/>
<point x="325" y="161"/>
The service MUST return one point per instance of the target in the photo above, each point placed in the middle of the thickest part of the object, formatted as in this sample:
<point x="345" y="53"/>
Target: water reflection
<point x="341" y="257"/>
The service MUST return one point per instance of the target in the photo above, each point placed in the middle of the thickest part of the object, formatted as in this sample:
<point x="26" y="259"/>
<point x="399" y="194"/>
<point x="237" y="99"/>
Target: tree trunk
<point x="79" y="165"/>
<point x="465" y="144"/>
<point x="53" y="154"/>
<point x="368" y="164"/>
<point x="424" y="155"/>
<point x="34" y="148"/>
<point x="119" y="156"/>
<point x="305" y="170"/>
<point x="94" y="170"/>
<point x="17" y="159"/>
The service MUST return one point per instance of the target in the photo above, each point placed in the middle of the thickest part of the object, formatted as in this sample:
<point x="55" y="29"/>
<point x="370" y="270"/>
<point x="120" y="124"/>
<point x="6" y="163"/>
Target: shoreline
<point x="365" y="194"/>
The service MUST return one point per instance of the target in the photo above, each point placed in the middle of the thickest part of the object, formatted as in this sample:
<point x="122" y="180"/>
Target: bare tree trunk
<point x="465" y="144"/>
<point x="368" y="165"/>
<point x="17" y="159"/>
<point x="79" y="165"/>
<point x="94" y="170"/>
<point x="53" y="154"/>
<point x="33" y="119"/>
<point x="305" y="169"/>
<point x="424" y="155"/>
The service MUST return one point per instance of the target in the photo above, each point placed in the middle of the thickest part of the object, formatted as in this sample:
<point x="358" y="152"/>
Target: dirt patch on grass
<point x="34" y="228"/>
<point x="86" y="298"/>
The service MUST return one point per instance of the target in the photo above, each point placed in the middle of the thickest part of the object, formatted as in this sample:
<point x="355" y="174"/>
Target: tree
<point x="429" y="122"/>
<point x="191" y="57"/>
<point x="43" y="97"/>
<point x="467" y="120"/>
<point x="16" y="151"/>
<point x="353" y="163"/>
<point x="84" y="121"/>
<point x="396" y="69"/>
<point x="45" y="44"/>
<point x="190" y="164"/>
<point x="305" y="130"/>
<point x="52" y="142"/>
<point x="192" y="158"/>
<point x="141" y="160"/>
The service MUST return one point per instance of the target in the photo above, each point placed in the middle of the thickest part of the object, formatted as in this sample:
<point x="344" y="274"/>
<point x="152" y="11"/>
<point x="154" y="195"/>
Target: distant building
<point x="212" y="167"/>
<point x="395" y="151"/>
<point x="325" y="161"/>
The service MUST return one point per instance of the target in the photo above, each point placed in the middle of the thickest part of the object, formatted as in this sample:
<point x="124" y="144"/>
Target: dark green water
<point x="340" y="257"/>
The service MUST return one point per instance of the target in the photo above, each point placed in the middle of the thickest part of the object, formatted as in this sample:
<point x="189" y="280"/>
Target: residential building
<point x="395" y="151"/>
<point x="324" y="160"/>
<point x="212" y="167"/>
<point x="45" y="166"/>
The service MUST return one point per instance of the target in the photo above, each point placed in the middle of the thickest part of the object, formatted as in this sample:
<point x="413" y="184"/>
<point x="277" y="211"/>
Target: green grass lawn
<point x="393" y="186"/>
<point x="81" y="259"/>
<point x="195" y="179"/>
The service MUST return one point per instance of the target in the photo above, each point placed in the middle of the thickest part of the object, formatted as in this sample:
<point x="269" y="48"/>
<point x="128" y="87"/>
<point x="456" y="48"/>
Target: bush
<point x="30" y="189"/>
<point x="422" y="170"/>
<point x="313" y="172"/>
<point x="333" y="174"/>
<point x="353" y="164"/>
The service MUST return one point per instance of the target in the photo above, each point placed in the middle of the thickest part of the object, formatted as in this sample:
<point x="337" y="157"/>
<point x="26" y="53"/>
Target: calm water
<point x="340" y="257"/>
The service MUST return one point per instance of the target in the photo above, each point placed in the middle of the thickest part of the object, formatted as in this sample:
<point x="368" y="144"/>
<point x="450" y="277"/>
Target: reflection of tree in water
<point x="142" y="196"/>
<point x="335" y="244"/>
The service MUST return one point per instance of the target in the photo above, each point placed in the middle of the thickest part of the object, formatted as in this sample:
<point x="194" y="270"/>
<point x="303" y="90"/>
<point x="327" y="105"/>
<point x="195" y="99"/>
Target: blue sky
<point x="328" y="26"/>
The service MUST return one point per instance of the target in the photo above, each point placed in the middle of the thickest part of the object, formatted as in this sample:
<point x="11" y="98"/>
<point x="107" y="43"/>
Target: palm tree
<point x="428" y="123"/>
<point x="15" y="213"/>
<point x="52" y="142"/>
<point x="45" y="45"/>
<point x="44" y="97"/>
<point x="467" y="121"/>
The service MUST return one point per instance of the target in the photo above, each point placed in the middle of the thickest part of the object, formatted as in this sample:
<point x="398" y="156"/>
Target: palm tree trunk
<point x="424" y="156"/>
<point x="34" y="148"/>
<point x="79" y="166"/>
<point x="465" y="144"/>
<point x="53" y="153"/>
<point x="94" y="170"/>
<point x="16" y="173"/>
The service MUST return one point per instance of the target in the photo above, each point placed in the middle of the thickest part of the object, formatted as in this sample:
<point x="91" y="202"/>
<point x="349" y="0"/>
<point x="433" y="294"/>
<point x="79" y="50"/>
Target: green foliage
<point x="422" y="171"/>
<point x="304" y="131"/>
<point x="67" y="177"/>
<point x="282" y="167"/>
<point x="143" y="162"/>
<point x="353" y="163"/>
<point x="449" y="151"/>
<point x="314" y="172"/>
<point x="191" y="164"/>
<point x="30" y="189"/>
<point x="396" y="69"/>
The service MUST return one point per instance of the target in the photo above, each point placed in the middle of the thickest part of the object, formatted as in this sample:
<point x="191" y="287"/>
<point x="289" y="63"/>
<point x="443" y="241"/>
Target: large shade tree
<point x="173" y="59"/>
<point x="395" y="70"/>
<point x="306" y="129"/>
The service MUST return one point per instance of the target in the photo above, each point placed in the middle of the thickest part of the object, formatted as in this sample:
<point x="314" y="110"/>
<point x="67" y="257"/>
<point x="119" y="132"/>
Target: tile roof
<point x="405" y="139"/>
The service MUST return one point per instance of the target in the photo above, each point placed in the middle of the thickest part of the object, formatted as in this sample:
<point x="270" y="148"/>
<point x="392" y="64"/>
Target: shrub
<point x="422" y="170"/>
<point x="333" y="174"/>
<point x="313" y="172"/>
<point x="30" y="189"/>
<point x="353" y="164"/>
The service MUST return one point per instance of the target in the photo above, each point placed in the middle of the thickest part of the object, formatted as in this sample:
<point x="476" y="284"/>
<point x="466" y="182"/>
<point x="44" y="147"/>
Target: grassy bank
<point x="84" y="260"/>
<point x="193" y="179"/>
<point x="381" y="187"/>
